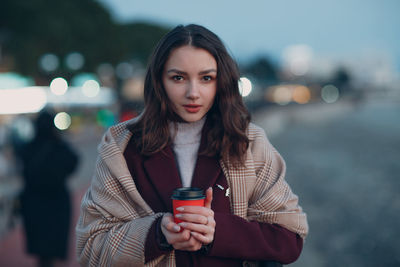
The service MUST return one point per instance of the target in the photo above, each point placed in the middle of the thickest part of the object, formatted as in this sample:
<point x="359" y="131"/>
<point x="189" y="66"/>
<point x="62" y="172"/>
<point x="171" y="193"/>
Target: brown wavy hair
<point x="227" y="119"/>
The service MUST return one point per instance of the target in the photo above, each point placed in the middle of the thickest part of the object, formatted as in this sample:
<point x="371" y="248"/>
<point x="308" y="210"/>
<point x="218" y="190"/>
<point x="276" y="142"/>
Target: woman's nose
<point x="192" y="91"/>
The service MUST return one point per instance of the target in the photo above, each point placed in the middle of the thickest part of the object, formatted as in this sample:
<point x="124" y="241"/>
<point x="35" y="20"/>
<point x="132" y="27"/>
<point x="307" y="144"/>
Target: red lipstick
<point x="192" y="108"/>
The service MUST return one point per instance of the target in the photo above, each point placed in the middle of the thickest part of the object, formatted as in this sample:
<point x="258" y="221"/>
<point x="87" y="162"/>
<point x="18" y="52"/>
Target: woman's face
<point x="190" y="81"/>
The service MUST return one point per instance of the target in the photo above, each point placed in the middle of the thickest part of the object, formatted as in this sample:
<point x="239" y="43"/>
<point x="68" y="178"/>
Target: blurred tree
<point x="262" y="69"/>
<point x="139" y="39"/>
<point x="30" y="29"/>
<point x="341" y="76"/>
<point x="341" y="79"/>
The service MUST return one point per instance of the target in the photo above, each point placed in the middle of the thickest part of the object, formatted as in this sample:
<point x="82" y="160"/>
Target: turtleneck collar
<point x="186" y="132"/>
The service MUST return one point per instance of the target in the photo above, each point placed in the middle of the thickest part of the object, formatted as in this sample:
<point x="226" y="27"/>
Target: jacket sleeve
<point x="238" y="238"/>
<point x="112" y="228"/>
<point x="156" y="245"/>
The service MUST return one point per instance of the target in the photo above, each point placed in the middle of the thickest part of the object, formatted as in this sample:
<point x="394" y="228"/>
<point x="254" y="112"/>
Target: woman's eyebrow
<point x="176" y="71"/>
<point x="207" y="71"/>
<point x="183" y="72"/>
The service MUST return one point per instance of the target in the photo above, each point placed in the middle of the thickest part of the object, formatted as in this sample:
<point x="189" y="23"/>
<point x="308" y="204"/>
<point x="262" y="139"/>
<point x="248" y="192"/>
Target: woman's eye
<point x="177" y="78"/>
<point x="207" y="78"/>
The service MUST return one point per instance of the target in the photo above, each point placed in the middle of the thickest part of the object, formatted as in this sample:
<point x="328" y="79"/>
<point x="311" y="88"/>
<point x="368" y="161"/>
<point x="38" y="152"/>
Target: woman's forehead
<point x="190" y="57"/>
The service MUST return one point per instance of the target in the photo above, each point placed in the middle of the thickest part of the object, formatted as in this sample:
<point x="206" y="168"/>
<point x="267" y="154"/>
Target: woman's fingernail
<point x="176" y="228"/>
<point x="182" y="224"/>
<point x="180" y="208"/>
<point x="178" y="215"/>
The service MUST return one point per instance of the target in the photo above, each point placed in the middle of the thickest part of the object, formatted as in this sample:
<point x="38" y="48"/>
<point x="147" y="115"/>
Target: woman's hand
<point x="199" y="220"/>
<point x="179" y="240"/>
<point x="198" y="226"/>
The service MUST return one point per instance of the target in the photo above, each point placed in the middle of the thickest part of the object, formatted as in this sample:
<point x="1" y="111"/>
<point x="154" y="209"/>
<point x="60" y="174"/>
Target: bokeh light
<point x="133" y="88"/>
<point x="49" y="62"/>
<point x="282" y="95"/>
<point x="330" y="93"/>
<point x="59" y="86"/>
<point x="105" y="118"/>
<point x="124" y="70"/>
<point x="91" y="88"/>
<point x="74" y="60"/>
<point x="10" y="80"/>
<point x="298" y="58"/>
<point x="301" y="94"/>
<point x="62" y="121"/>
<point x="105" y="70"/>
<point x="24" y="100"/>
<point x="245" y="86"/>
<point x="79" y="79"/>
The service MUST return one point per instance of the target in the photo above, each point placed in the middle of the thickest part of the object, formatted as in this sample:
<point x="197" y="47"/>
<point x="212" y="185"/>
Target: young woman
<point x="194" y="131"/>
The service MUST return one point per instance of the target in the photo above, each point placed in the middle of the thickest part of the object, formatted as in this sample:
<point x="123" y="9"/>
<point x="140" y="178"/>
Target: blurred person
<point x="194" y="131"/>
<point x="3" y="165"/>
<point x="47" y="161"/>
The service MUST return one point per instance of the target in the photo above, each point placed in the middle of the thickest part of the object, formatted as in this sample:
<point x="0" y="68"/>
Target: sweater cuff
<point x="156" y="245"/>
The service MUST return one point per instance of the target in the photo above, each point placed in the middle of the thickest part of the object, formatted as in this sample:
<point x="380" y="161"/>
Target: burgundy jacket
<point x="235" y="239"/>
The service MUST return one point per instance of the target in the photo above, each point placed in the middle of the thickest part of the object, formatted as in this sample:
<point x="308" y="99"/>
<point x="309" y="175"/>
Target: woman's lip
<point x="192" y="105"/>
<point x="192" y="108"/>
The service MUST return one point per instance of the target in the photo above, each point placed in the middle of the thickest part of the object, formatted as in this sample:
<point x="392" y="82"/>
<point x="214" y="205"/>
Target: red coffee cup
<point x="187" y="196"/>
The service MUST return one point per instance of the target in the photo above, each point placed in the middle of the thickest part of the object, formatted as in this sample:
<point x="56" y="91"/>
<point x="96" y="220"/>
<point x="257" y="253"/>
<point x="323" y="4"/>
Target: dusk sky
<point x="338" y="28"/>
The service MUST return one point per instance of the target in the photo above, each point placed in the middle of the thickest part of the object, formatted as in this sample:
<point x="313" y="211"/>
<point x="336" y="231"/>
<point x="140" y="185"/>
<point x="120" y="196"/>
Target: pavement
<point x="12" y="246"/>
<point x="343" y="163"/>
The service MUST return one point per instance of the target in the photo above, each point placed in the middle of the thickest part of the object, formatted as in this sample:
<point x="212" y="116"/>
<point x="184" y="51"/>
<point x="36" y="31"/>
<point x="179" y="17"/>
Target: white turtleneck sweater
<point x="186" y="139"/>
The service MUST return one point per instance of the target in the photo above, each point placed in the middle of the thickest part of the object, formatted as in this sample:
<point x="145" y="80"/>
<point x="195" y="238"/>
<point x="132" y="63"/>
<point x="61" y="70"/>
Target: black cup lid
<point x="188" y="193"/>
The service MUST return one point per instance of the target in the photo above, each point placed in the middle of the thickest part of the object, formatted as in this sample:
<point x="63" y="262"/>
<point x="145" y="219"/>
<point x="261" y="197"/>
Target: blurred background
<point x="321" y="77"/>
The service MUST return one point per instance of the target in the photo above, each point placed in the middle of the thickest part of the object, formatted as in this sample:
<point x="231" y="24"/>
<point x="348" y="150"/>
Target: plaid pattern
<point x="115" y="220"/>
<point x="259" y="190"/>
